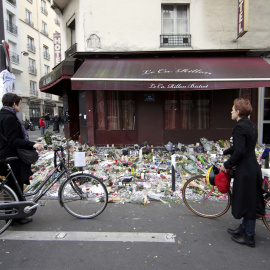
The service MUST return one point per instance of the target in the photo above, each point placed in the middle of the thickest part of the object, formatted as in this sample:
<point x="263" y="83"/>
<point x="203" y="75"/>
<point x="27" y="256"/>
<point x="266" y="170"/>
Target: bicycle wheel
<point x="205" y="200"/>
<point x="266" y="218"/>
<point x="83" y="196"/>
<point x="7" y="195"/>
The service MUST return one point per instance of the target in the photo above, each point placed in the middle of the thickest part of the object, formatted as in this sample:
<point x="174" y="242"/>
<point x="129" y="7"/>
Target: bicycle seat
<point x="266" y="172"/>
<point x="7" y="160"/>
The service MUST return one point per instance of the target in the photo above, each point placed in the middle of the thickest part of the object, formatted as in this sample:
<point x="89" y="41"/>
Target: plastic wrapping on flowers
<point x="130" y="174"/>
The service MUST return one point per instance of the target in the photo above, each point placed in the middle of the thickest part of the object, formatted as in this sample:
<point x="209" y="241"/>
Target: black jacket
<point x="247" y="197"/>
<point x="11" y="129"/>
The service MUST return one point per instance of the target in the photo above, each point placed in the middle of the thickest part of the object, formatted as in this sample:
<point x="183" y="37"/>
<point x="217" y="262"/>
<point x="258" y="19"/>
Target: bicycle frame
<point x="40" y="187"/>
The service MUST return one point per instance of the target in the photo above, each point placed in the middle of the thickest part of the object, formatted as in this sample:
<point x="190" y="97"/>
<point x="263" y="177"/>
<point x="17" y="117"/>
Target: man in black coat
<point x="247" y="195"/>
<point x="14" y="136"/>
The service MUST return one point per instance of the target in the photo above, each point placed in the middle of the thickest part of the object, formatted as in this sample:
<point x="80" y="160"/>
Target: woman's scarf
<point x="11" y="109"/>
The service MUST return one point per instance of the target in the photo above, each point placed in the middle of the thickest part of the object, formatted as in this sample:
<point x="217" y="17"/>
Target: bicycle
<point x="81" y="194"/>
<point x="205" y="200"/>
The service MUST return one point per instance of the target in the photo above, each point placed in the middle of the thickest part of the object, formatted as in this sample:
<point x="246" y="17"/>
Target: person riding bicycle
<point x="13" y="136"/>
<point x="247" y="195"/>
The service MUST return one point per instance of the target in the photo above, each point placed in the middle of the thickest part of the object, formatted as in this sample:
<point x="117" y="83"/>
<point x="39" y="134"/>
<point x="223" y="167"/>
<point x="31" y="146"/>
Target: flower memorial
<point x="134" y="174"/>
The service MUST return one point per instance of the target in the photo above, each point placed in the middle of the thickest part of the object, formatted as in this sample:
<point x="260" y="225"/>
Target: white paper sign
<point x="79" y="159"/>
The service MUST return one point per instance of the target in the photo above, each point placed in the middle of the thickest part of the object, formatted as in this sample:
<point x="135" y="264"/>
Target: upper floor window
<point x="30" y="44"/>
<point x="175" y="25"/>
<point x="44" y="29"/>
<point x="46" y="69"/>
<point x="56" y="19"/>
<point x="43" y="7"/>
<point x="11" y="27"/>
<point x="28" y="17"/>
<point x="32" y="66"/>
<point x="46" y="54"/>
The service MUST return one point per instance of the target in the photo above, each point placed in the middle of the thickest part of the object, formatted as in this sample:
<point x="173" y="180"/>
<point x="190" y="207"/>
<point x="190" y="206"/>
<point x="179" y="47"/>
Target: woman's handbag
<point x="28" y="156"/>
<point x="222" y="181"/>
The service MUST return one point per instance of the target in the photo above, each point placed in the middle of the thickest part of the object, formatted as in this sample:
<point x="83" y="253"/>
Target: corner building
<point x="159" y="70"/>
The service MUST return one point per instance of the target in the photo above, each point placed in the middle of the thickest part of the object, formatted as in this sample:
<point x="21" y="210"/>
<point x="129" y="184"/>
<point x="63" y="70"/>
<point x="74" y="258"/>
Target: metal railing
<point x="28" y="21"/>
<point x="44" y="10"/>
<point x="12" y="28"/>
<point x="33" y="92"/>
<point x="32" y="70"/>
<point x="70" y="51"/>
<point x="175" y="40"/>
<point x="46" y="55"/>
<point x="44" y="32"/>
<point x="14" y="57"/>
<point x="13" y="2"/>
<point x="31" y="47"/>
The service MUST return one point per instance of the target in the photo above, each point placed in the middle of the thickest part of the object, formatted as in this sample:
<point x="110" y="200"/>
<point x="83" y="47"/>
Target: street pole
<point x="2" y="37"/>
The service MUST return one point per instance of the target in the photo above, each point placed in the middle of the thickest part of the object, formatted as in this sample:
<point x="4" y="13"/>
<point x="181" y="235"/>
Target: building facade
<point x="160" y="70"/>
<point x="29" y="28"/>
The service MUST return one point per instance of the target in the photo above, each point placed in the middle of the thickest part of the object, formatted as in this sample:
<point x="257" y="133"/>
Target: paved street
<point x="130" y="236"/>
<point x="33" y="135"/>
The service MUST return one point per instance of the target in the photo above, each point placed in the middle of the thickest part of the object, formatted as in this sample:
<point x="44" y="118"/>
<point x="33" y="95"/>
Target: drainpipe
<point x="2" y="37"/>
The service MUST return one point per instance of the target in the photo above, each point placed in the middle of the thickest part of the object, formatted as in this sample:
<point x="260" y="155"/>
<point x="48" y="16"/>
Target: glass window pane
<point x="186" y="110"/>
<point x="100" y="110"/>
<point x="266" y="133"/>
<point x="167" y="17"/>
<point x="128" y="112"/>
<point x="267" y="92"/>
<point x="113" y="114"/>
<point x="182" y="19"/>
<point x="171" y="111"/>
<point x="266" y="115"/>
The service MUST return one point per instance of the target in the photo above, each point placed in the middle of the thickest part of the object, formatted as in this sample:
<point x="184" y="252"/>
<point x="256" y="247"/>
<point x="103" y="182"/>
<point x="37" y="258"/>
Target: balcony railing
<point x="71" y="50"/>
<point x="12" y="28"/>
<point x="31" y="47"/>
<point x="44" y="10"/>
<point x="46" y="55"/>
<point x="12" y="2"/>
<point x="14" y="57"/>
<point x="28" y="21"/>
<point x="175" y="40"/>
<point x="33" y="92"/>
<point x="44" y="32"/>
<point x="32" y="70"/>
<point x="57" y="22"/>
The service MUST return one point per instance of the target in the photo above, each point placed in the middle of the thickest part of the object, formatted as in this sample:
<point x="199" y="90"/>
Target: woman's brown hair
<point x="244" y="107"/>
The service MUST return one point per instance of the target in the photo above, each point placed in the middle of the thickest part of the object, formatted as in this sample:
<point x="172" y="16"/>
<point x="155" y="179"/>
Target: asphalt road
<point x="34" y="135"/>
<point x="130" y="236"/>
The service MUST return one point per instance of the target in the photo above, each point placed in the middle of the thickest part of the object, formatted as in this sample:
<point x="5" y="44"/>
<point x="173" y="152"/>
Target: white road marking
<point x="89" y="236"/>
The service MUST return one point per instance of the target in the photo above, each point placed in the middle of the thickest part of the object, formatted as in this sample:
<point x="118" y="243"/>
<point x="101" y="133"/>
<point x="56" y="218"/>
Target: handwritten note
<point x="79" y="159"/>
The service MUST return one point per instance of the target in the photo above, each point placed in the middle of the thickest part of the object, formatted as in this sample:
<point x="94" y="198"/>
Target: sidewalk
<point x="34" y="135"/>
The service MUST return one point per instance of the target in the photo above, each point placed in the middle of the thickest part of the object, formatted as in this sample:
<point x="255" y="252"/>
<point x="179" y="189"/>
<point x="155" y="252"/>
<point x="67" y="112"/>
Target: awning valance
<point x="193" y="73"/>
<point x="65" y="70"/>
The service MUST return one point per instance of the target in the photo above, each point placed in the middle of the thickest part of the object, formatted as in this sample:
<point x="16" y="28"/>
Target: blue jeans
<point x="42" y="130"/>
<point x="46" y="124"/>
<point x="249" y="225"/>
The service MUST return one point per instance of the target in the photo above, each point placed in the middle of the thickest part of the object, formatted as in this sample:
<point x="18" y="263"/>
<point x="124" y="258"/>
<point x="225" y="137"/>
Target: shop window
<point x="128" y="111"/>
<point x="115" y="110"/>
<point x="171" y="110"/>
<point x="187" y="110"/>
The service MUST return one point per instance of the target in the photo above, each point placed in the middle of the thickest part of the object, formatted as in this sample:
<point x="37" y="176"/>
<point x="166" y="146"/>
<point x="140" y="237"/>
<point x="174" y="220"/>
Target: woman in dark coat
<point x="13" y="136"/>
<point x="247" y="195"/>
